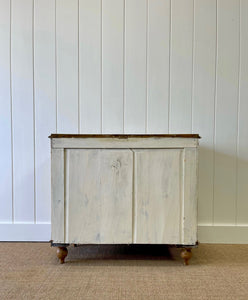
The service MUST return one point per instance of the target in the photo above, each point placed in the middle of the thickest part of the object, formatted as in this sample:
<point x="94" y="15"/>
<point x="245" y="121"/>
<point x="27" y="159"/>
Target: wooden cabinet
<point x="124" y="189"/>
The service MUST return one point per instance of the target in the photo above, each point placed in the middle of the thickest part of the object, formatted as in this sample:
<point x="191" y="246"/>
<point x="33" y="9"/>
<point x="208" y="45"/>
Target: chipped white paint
<point x="190" y="195"/>
<point x="157" y="196"/>
<point x="98" y="196"/>
<point x="58" y="194"/>
<point x="125" y="195"/>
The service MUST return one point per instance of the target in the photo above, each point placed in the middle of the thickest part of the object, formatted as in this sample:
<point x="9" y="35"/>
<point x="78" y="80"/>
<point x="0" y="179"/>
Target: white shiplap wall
<point x="123" y="66"/>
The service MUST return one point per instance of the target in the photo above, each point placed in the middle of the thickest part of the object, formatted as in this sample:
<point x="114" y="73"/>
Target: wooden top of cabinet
<point x="124" y="136"/>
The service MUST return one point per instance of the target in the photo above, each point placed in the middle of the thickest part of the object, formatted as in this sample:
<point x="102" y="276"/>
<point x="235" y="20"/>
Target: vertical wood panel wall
<point x="124" y="66"/>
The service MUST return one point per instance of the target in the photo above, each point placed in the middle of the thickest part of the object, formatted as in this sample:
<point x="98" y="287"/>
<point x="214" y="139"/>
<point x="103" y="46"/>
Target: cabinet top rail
<point x="124" y="136"/>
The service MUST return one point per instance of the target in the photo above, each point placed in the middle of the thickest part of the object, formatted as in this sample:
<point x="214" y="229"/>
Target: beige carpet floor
<point x="32" y="271"/>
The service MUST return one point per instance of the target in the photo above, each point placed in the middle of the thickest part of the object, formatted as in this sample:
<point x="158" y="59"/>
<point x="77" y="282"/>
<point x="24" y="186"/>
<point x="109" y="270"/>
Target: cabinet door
<point x="98" y="196"/>
<point x="165" y="196"/>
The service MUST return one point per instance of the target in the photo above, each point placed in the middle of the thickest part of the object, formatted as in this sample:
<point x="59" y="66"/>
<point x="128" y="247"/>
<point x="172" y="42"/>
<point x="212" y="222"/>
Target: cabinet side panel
<point x="58" y="195"/>
<point x="98" y="196"/>
<point x="157" y="196"/>
<point x="190" y="192"/>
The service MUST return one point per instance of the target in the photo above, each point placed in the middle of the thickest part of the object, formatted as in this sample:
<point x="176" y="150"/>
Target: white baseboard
<point x="25" y="232"/>
<point x="223" y="234"/>
<point x="42" y="233"/>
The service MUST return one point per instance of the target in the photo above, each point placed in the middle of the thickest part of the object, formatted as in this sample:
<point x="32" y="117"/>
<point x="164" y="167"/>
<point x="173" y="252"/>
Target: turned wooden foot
<point x="61" y="254"/>
<point x="186" y="254"/>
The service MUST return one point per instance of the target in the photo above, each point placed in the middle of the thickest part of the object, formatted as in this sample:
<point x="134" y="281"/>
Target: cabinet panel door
<point x="98" y="196"/>
<point x="161" y="199"/>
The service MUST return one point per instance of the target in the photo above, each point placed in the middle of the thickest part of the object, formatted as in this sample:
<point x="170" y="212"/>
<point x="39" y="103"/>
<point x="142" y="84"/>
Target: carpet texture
<point x="32" y="271"/>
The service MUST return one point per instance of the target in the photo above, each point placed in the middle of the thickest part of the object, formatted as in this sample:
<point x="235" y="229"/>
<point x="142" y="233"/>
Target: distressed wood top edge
<point x="124" y="136"/>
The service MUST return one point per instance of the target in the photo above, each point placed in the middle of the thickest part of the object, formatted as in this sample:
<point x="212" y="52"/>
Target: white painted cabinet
<point x="124" y="189"/>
